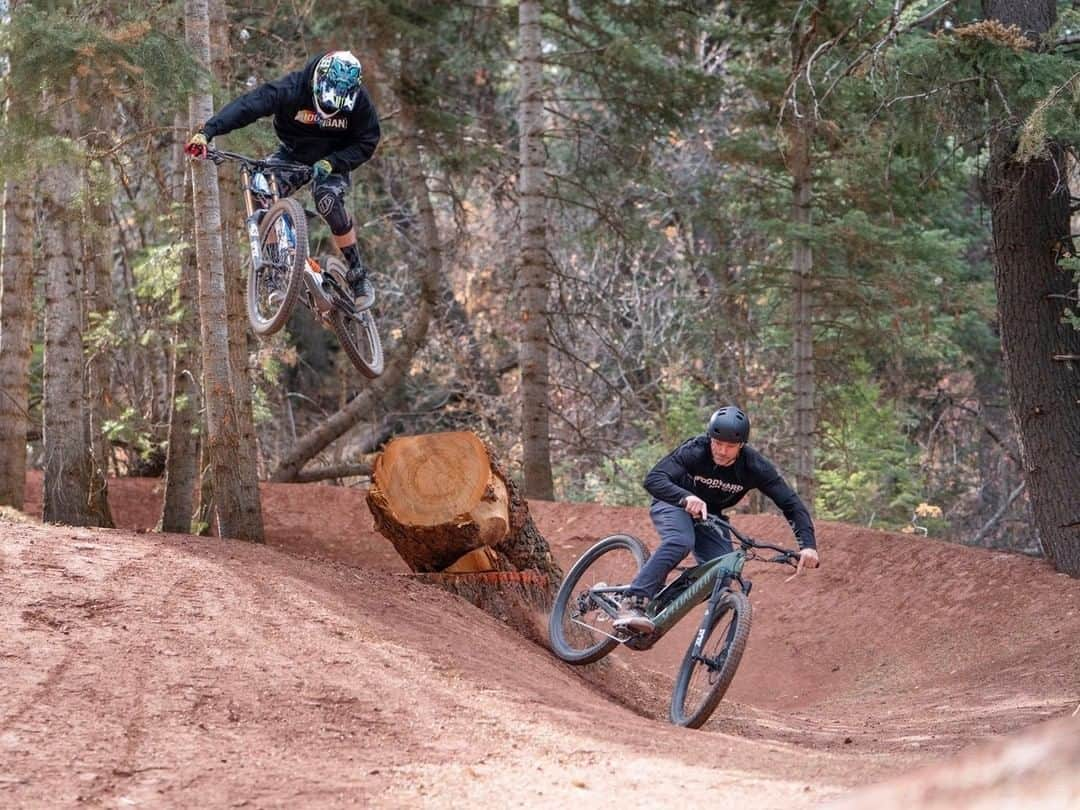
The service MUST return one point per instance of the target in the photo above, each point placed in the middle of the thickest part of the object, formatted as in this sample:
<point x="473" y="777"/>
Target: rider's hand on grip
<point x="196" y="146"/>
<point x="322" y="169"/>
<point x="696" y="507"/>
<point x="808" y="558"/>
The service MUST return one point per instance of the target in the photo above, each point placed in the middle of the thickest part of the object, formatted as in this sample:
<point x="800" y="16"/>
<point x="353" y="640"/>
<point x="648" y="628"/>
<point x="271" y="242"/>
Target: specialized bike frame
<point x="283" y="273"/>
<point x="694" y="585"/>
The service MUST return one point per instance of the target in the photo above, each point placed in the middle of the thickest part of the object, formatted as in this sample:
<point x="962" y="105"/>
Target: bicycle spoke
<point x="273" y="288"/>
<point x="704" y="677"/>
<point x="580" y="625"/>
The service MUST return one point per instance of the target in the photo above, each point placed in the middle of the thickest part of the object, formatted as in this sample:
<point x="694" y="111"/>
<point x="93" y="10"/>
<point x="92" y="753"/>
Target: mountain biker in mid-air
<point x="711" y="472"/>
<point x="323" y="118"/>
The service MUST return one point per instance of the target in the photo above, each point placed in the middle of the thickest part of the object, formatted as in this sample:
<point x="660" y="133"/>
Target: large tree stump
<point x="454" y="516"/>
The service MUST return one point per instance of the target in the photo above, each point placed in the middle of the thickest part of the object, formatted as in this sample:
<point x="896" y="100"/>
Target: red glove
<point x="196" y="146"/>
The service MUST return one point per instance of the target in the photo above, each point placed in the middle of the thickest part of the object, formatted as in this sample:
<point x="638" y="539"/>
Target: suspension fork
<point x="252" y="222"/>
<point x="720" y="588"/>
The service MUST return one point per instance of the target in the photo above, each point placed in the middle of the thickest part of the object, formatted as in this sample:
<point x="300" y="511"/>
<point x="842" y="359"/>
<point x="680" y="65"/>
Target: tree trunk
<point x="1030" y="219"/>
<point x="416" y="330"/>
<point x="235" y="282"/>
<point x="17" y="272"/>
<point x="535" y="267"/>
<point x="182" y="462"/>
<point x="97" y="261"/>
<point x="802" y="317"/>
<point x="237" y="508"/>
<point x="444" y="502"/>
<point x="68" y="459"/>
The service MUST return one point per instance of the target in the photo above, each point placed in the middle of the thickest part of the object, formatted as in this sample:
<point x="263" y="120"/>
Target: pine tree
<point x="236" y="499"/>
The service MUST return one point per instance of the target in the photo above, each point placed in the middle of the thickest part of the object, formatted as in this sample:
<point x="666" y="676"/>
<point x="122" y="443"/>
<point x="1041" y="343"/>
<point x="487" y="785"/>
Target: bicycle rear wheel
<point x="359" y="337"/>
<point x="703" y="680"/>
<point x="272" y="290"/>
<point x="579" y="629"/>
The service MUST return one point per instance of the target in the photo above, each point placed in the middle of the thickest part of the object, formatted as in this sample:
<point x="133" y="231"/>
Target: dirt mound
<point x="183" y="671"/>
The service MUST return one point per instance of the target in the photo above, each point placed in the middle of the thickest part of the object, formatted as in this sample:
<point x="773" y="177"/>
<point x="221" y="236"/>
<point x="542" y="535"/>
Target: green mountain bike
<point x="580" y="625"/>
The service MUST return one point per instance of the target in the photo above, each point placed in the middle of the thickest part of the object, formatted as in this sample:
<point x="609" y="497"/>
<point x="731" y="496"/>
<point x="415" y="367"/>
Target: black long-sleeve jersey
<point x="347" y="140"/>
<point x="690" y="470"/>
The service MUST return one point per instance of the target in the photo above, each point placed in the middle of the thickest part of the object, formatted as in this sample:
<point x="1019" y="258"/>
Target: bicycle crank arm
<point x="601" y="632"/>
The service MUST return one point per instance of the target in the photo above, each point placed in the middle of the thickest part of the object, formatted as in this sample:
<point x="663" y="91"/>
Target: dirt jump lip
<point x="171" y="670"/>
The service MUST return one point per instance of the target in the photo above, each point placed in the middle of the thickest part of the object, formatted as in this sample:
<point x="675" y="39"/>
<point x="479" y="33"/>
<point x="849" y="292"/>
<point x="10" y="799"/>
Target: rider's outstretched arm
<point x="773" y="485"/>
<point x="249" y="108"/>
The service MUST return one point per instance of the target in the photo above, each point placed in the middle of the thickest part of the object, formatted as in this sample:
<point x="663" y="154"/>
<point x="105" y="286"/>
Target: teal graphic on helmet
<point x="336" y="83"/>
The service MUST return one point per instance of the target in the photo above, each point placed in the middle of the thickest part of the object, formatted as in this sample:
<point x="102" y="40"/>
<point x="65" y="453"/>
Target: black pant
<point x="329" y="193"/>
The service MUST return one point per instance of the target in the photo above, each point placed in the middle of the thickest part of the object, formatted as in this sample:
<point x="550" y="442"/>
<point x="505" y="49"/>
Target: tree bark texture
<point x="97" y="261"/>
<point x="802" y="315"/>
<point x="535" y="262"/>
<point x="1030" y="220"/>
<point x="235" y="281"/>
<point x="519" y="598"/>
<point x="415" y="331"/>
<point x="237" y="507"/>
<point x="439" y="497"/>
<point x="182" y="462"/>
<point x="17" y="272"/>
<point x="68" y="459"/>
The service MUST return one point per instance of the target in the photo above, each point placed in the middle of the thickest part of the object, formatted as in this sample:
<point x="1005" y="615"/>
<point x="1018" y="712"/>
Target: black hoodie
<point x="347" y="140"/>
<point x="690" y="470"/>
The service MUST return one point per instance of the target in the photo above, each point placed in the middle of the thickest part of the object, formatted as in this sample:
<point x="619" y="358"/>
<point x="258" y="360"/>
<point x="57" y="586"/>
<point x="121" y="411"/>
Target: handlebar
<point x="220" y="156"/>
<point x="785" y="555"/>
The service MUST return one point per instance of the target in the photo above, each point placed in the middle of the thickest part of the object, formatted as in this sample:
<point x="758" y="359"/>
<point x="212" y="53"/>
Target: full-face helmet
<point x="336" y="83"/>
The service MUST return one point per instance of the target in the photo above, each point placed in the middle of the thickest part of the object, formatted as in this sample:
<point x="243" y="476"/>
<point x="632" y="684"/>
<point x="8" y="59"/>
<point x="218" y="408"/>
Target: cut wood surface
<point x="437" y="497"/>
<point x="430" y="480"/>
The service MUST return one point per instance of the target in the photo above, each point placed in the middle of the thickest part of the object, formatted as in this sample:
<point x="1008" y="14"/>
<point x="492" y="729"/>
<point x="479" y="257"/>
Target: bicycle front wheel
<point x="704" y="678"/>
<point x="579" y="628"/>
<point x="272" y="290"/>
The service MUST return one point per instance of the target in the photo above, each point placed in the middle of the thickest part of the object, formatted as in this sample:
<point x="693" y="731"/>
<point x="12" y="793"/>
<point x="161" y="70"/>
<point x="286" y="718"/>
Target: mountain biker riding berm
<point x="708" y="473"/>
<point x="323" y="118"/>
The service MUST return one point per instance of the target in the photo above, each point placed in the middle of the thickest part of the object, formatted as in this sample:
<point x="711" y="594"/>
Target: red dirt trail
<point x="141" y="669"/>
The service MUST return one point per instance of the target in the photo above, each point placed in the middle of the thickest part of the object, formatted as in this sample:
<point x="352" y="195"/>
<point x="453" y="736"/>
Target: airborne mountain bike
<point x="580" y="625"/>
<point x="283" y="273"/>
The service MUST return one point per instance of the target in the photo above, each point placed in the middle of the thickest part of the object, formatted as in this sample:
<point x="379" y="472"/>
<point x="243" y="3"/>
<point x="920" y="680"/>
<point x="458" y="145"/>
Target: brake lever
<point x="789" y="559"/>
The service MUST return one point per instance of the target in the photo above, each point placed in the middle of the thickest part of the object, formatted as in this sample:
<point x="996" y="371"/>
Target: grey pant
<point x="679" y="535"/>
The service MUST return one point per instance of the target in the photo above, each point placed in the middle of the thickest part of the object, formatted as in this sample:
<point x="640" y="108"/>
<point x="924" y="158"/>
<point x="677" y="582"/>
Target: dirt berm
<point x="139" y="669"/>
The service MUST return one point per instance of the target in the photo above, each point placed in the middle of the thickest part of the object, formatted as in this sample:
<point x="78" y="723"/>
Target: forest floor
<point x="169" y="670"/>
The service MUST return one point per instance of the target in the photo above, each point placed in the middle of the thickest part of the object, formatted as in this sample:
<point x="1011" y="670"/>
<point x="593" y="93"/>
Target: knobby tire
<point x="732" y="620"/>
<point x="572" y="642"/>
<point x="264" y="327"/>
<point x="358" y="334"/>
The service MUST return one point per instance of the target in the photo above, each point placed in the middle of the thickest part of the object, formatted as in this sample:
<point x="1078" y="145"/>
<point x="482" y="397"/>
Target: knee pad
<point x="330" y="202"/>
